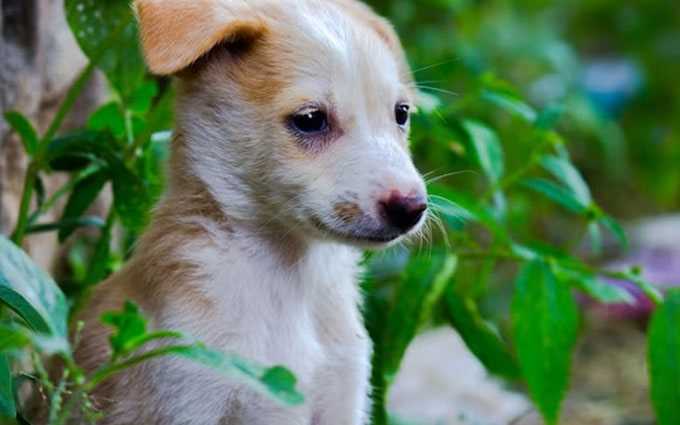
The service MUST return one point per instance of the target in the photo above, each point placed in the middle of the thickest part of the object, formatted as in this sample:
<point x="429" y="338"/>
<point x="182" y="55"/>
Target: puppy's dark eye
<point x="401" y="114"/>
<point x="310" y="121"/>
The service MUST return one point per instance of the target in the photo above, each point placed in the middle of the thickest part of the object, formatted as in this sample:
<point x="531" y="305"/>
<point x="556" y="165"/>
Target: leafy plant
<point x="520" y="158"/>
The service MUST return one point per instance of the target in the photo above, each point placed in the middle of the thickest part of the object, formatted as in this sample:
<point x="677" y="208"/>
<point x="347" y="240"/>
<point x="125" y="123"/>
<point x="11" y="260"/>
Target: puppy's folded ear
<point x="175" y="33"/>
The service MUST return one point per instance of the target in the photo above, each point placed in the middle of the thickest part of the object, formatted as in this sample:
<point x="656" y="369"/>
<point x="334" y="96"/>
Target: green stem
<point x="107" y="371"/>
<point x="70" y="99"/>
<point x="37" y="163"/>
<point x="63" y="190"/>
<point x="652" y="293"/>
<point x="26" y="198"/>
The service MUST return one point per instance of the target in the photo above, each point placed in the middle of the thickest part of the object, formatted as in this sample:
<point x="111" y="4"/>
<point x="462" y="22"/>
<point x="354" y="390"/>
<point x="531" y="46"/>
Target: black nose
<point x="403" y="212"/>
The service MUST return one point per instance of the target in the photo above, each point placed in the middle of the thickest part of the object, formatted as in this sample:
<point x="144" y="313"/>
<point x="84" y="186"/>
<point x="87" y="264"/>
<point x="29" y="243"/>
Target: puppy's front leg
<point x="343" y="388"/>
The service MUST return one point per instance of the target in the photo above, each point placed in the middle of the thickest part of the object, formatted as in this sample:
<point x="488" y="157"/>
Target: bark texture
<point x="39" y="59"/>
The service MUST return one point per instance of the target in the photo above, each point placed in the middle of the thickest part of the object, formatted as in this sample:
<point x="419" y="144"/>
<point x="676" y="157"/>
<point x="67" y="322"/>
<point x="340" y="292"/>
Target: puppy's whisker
<point x="438" y="90"/>
<point x="429" y="180"/>
<point x="435" y="65"/>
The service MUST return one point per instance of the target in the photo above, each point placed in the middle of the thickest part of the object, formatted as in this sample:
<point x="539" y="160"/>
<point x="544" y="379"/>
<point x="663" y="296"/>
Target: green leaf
<point x="72" y="223"/>
<point x="82" y="197"/>
<point x="30" y="292"/>
<point x="153" y="162"/>
<point x="131" y="197"/>
<point x="23" y="127"/>
<point x="556" y="193"/>
<point x="142" y="97"/>
<point x="281" y="382"/>
<point x="12" y="339"/>
<point x="616" y="229"/>
<point x="635" y="276"/>
<point x="595" y="234"/>
<point x="545" y="325"/>
<point x="549" y="117"/>
<point x="592" y="285"/>
<point x="99" y="263"/>
<point x="276" y="381"/>
<point x="566" y="173"/>
<point x="131" y="330"/>
<point x="130" y="334"/>
<point x="422" y="285"/>
<point x="108" y="117"/>
<point x="511" y="103"/>
<point x="486" y="148"/>
<point x="664" y="360"/>
<point x="456" y="207"/>
<point x="15" y="338"/>
<point x="454" y="214"/>
<point x="107" y="33"/>
<point x="479" y="336"/>
<point x="77" y="150"/>
<point x="8" y="409"/>
<point x="129" y="326"/>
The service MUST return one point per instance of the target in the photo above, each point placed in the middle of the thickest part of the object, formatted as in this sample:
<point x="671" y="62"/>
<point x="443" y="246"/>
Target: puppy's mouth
<point x="358" y="236"/>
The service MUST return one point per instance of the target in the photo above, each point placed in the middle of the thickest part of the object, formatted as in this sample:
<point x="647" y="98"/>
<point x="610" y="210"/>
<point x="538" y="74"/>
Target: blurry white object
<point x="442" y="383"/>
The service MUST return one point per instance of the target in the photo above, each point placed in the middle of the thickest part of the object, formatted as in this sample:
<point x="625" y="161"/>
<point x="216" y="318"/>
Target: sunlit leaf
<point x="592" y="285"/>
<point x="107" y="33"/>
<point x="108" y="117"/>
<point x="31" y="292"/>
<point x="486" y="148"/>
<point x="556" y="193"/>
<point x="129" y="326"/>
<point x="277" y="381"/>
<point x="141" y="98"/>
<point x="545" y="325"/>
<point x="510" y="103"/>
<point x="566" y="173"/>
<point x="664" y="360"/>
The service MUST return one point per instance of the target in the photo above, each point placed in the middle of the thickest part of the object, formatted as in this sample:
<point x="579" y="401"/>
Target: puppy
<point x="290" y="155"/>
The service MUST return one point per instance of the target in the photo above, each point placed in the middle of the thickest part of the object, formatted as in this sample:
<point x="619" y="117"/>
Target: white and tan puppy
<point x="290" y="155"/>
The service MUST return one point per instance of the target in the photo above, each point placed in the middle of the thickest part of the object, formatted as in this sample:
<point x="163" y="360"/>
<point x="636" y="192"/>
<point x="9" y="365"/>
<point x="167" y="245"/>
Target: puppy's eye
<point x="310" y="121"/>
<point x="401" y="113"/>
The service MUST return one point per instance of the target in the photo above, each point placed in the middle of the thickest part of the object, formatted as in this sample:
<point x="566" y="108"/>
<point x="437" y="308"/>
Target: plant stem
<point x="38" y="161"/>
<point x="105" y="372"/>
<point x="66" y="188"/>
<point x="26" y="198"/>
<point x="67" y="104"/>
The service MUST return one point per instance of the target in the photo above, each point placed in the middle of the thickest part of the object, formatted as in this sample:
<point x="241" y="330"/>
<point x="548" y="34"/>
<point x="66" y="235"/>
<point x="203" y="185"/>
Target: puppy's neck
<point x="191" y="210"/>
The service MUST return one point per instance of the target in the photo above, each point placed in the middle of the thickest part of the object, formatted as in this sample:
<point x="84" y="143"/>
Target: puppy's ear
<point x="175" y="33"/>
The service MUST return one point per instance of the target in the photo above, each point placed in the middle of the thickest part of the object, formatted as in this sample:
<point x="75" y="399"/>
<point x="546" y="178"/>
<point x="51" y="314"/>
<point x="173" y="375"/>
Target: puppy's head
<point x="293" y="113"/>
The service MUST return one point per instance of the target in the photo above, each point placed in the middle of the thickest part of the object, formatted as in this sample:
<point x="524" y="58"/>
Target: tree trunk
<point x="39" y="59"/>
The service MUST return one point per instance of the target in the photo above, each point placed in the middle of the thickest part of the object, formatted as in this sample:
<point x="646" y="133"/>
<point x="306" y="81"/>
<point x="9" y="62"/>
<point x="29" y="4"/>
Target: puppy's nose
<point x="402" y="212"/>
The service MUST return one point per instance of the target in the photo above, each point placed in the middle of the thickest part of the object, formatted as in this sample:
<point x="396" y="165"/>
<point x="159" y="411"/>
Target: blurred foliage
<point x="611" y="66"/>
<point x="537" y="120"/>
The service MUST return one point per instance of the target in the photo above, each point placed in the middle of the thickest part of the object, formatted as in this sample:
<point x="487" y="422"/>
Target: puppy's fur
<point x="255" y="247"/>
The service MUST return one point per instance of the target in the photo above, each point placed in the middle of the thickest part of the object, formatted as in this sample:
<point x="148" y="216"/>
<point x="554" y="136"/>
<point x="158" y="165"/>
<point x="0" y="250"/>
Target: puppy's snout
<point x="402" y="212"/>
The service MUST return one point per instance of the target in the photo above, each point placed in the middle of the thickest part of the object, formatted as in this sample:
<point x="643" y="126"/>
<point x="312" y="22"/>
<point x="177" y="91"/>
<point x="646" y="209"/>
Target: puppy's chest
<point x="295" y="316"/>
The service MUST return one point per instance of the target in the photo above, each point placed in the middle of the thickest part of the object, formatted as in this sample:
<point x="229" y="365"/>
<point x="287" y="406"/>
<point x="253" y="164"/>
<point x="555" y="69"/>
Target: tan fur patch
<point x="347" y="212"/>
<point x="175" y="33"/>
